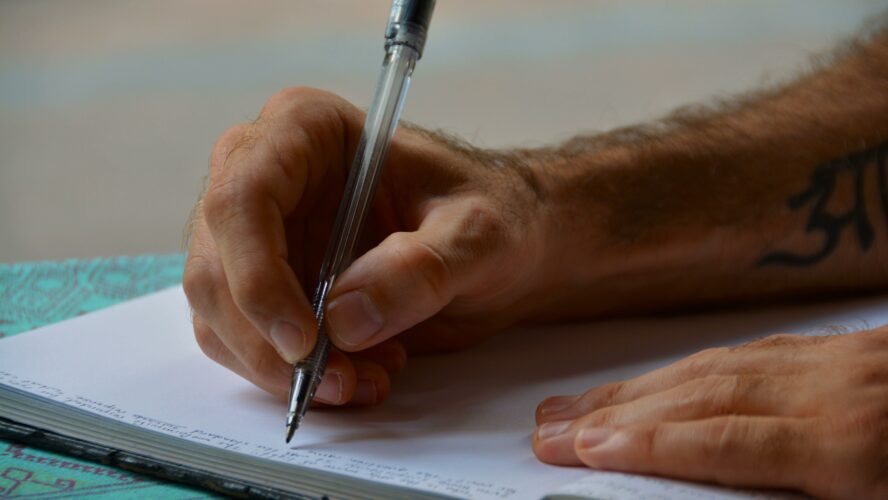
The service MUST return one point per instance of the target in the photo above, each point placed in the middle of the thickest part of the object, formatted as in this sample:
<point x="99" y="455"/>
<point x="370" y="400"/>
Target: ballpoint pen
<point x="405" y="36"/>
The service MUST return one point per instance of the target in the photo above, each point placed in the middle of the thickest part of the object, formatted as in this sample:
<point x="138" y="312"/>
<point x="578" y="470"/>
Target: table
<point x="34" y="294"/>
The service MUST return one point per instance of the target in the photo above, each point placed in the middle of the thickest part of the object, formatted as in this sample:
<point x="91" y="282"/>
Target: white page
<point x="602" y="485"/>
<point x="456" y="424"/>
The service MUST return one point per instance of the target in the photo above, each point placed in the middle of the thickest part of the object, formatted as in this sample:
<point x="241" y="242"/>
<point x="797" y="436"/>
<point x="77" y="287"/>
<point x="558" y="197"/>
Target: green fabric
<point x="39" y="293"/>
<point x="34" y="294"/>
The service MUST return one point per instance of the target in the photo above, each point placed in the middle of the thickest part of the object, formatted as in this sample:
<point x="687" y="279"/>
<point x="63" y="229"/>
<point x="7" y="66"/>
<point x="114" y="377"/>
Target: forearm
<point x="780" y="194"/>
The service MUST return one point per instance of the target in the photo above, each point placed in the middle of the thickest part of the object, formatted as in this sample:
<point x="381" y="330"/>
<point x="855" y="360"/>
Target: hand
<point x="787" y="411"/>
<point x="452" y="248"/>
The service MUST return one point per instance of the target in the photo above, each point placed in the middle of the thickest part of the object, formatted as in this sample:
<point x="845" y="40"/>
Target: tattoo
<point x="830" y="225"/>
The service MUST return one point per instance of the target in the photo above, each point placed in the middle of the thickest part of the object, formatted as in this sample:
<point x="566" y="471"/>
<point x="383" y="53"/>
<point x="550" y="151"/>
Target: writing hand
<point x="439" y="268"/>
<point x="787" y="411"/>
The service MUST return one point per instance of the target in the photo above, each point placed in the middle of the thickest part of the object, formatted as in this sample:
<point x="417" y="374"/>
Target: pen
<point x="405" y="36"/>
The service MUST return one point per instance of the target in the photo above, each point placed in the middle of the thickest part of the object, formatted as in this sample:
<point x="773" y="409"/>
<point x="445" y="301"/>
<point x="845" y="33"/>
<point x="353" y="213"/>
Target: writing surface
<point x="456" y="424"/>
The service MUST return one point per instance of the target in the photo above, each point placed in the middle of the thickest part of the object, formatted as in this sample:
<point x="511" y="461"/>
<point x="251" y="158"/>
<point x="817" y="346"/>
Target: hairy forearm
<point x="780" y="193"/>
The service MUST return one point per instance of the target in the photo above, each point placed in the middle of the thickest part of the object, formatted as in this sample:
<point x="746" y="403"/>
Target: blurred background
<point x="108" y="108"/>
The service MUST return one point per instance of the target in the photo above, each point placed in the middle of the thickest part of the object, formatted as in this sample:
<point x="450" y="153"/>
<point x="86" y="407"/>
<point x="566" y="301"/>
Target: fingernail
<point x="552" y="429"/>
<point x="289" y="340"/>
<point x="556" y="404"/>
<point x="330" y="389"/>
<point x="593" y="437"/>
<point x="365" y="392"/>
<point x="354" y="318"/>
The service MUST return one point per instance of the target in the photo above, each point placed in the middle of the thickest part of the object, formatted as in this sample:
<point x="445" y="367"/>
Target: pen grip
<point x="316" y="361"/>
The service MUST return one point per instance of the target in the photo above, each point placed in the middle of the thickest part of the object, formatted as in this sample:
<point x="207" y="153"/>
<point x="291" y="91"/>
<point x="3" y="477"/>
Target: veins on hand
<point x="830" y="225"/>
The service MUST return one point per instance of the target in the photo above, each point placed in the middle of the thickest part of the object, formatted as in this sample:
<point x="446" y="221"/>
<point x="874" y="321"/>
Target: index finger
<point x="299" y="135"/>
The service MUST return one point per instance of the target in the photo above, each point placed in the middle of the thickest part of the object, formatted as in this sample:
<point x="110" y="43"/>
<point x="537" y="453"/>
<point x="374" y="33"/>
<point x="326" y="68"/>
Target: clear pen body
<point x="379" y="127"/>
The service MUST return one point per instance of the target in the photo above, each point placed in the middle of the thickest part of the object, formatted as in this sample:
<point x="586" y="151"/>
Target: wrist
<point x="623" y="234"/>
<point x="585" y="252"/>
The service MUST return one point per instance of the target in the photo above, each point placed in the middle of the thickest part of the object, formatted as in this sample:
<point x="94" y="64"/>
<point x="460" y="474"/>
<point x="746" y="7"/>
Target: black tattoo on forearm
<point x="831" y="225"/>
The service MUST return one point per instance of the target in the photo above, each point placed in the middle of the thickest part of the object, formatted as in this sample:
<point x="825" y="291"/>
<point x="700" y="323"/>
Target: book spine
<point x="40" y="438"/>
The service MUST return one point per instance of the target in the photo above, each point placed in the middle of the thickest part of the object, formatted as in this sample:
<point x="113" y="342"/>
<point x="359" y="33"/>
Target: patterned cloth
<point x="40" y="293"/>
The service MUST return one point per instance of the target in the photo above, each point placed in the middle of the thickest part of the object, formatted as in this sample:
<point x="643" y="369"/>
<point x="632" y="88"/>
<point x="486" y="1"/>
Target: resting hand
<point x="442" y="269"/>
<point x="788" y="411"/>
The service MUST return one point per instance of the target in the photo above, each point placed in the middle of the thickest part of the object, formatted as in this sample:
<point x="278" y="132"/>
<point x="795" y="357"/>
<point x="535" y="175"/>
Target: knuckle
<point x="231" y="139"/>
<point x="609" y="394"/>
<point x="290" y="96"/>
<point x="315" y="122"/>
<point x="708" y="353"/>
<point x="426" y="264"/>
<point x="725" y="441"/>
<point x="208" y="342"/>
<point x="482" y="231"/>
<point x="308" y="106"/>
<point x="735" y="391"/>
<point x="777" y="340"/>
<point x="737" y="438"/>
<point x="199" y="282"/>
<point x="218" y="203"/>
<point x="649" y="440"/>
<point x="482" y="218"/>
<point x="717" y="393"/>
<point x="602" y="418"/>
<point x="701" y="363"/>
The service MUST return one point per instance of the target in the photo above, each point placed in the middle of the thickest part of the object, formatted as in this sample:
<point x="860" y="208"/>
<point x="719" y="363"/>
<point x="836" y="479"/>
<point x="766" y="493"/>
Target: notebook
<point x="129" y="384"/>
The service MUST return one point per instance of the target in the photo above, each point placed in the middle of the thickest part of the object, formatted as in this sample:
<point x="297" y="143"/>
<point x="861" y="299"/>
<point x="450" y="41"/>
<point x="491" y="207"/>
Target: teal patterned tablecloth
<point x="40" y="293"/>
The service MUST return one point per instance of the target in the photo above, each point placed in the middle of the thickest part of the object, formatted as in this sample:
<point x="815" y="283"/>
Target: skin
<point x="782" y="194"/>
<point x="445" y="234"/>
<point x="786" y="411"/>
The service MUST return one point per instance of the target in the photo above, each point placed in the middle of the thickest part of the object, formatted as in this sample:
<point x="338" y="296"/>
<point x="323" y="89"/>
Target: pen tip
<point x="291" y="429"/>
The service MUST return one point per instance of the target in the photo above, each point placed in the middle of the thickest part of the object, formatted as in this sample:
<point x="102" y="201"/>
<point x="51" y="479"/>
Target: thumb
<point x="405" y="280"/>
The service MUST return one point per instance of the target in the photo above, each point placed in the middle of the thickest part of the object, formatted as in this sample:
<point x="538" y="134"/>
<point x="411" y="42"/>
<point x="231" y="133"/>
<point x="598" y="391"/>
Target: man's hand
<point x="453" y="249"/>
<point x="787" y="411"/>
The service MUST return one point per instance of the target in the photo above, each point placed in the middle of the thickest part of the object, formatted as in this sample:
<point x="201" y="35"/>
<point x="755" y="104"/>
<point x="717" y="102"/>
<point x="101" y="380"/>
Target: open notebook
<point x="131" y="378"/>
